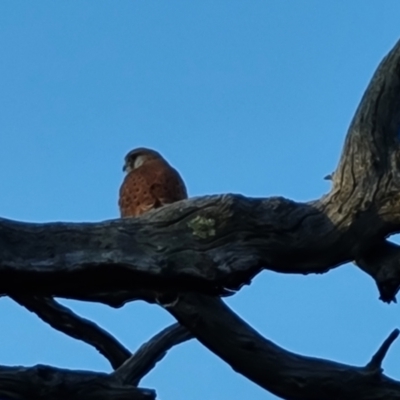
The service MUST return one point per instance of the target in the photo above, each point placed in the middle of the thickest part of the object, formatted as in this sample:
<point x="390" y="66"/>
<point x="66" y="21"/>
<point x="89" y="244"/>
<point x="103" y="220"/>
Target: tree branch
<point x="150" y="353"/>
<point x="66" y="321"/>
<point x="214" y="245"/>
<point x="48" y="383"/>
<point x="377" y="359"/>
<point x="287" y="375"/>
<point x="371" y="151"/>
<point x="131" y="258"/>
<point x="382" y="262"/>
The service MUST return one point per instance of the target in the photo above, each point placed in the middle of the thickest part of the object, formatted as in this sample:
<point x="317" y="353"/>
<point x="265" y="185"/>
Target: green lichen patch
<point x="202" y="227"/>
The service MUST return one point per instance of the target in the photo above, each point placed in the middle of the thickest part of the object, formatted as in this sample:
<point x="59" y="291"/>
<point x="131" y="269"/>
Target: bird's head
<point x="137" y="157"/>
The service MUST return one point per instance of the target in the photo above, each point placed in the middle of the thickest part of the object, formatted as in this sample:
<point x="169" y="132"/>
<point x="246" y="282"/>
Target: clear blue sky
<point x="242" y="97"/>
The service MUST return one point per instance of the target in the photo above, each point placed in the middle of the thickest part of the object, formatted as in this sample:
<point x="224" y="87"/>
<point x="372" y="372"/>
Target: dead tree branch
<point x="130" y="368"/>
<point x="150" y="353"/>
<point x="66" y="321"/>
<point x="287" y="375"/>
<point x="48" y="383"/>
<point x="220" y="242"/>
<point x="214" y="245"/>
<point x="377" y="358"/>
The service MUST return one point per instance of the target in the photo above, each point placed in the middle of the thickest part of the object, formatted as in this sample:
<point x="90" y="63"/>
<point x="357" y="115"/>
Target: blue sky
<point x="241" y="97"/>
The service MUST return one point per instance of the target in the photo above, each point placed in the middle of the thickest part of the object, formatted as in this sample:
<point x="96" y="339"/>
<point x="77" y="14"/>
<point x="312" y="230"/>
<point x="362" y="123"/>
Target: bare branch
<point x="48" y="383"/>
<point x="382" y="262"/>
<point x="66" y="321"/>
<point x="377" y="359"/>
<point x="287" y="375"/>
<point x="145" y="359"/>
<point x="214" y="245"/>
<point x="135" y="257"/>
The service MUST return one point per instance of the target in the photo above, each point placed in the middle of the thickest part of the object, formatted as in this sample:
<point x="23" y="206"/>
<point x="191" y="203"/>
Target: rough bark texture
<point x="214" y="245"/>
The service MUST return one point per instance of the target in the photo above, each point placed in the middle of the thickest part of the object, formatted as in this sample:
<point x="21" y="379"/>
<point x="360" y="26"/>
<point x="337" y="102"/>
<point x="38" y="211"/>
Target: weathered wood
<point x="44" y="382"/>
<point x="47" y="383"/>
<point x="286" y="374"/>
<point x="170" y="249"/>
<point x="215" y="244"/>
<point x="129" y="368"/>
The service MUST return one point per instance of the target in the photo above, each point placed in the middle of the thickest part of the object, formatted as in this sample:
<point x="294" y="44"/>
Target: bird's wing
<point x="168" y="187"/>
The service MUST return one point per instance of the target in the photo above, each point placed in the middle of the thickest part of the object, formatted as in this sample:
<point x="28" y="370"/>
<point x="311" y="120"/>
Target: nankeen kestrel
<point x="150" y="182"/>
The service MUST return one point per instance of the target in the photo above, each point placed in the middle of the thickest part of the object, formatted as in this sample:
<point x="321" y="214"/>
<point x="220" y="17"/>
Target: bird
<point x="150" y="182"/>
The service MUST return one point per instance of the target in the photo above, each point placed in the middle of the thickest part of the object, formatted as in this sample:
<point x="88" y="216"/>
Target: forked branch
<point x="130" y="368"/>
<point x="287" y="375"/>
<point x="214" y="245"/>
<point x="150" y="353"/>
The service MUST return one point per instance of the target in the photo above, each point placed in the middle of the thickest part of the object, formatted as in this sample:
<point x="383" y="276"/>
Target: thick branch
<point x="368" y="168"/>
<point x="66" y="321"/>
<point x="205" y="245"/>
<point x="48" y="383"/>
<point x="150" y="353"/>
<point x="216" y="244"/>
<point x="279" y="371"/>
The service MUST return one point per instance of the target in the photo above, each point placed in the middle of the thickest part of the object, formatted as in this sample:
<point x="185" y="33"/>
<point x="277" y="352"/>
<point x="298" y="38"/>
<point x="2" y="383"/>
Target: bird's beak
<point x="124" y="168"/>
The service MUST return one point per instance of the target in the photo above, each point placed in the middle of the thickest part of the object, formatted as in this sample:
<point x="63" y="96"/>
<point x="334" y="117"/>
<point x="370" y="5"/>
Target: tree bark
<point x="286" y="374"/>
<point x="49" y="383"/>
